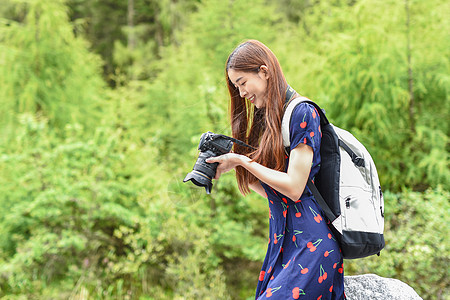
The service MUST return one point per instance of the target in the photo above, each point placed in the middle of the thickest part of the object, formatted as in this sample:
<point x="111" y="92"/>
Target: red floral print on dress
<point x="296" y="292"/>
<point x="270" y="291"/>
<point x="317" y="217"/>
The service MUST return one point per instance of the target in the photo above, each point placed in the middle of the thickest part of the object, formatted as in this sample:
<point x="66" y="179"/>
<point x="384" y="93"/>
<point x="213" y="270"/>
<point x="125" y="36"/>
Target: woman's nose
<point x="242" y="92"/>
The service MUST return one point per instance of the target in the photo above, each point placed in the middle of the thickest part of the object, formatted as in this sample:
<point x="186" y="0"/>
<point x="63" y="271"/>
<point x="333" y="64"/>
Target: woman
<point x="303" y="259"/>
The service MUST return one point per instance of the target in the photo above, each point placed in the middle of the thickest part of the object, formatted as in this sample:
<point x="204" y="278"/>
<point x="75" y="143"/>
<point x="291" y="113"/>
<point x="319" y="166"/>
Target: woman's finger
<point x="210" y="160"/>
<point x="214" y="159"/>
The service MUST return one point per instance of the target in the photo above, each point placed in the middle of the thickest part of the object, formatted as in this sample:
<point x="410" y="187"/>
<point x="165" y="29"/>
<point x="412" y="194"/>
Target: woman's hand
<point x="290" y="184"/>
<point x="226" y="162"/>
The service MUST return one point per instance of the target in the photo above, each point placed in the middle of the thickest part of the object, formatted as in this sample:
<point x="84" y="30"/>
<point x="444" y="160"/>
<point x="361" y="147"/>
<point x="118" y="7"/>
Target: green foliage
<point x="65" y="198"/>
<point x="417" y="246"/>
<point x="130" y="35"/>
<point x="46" y="69"/>
<point x="360" y="66"/>
<point x="101" y="23"/>
<point x="194" y="101"/>
<point x="93" y="204"/>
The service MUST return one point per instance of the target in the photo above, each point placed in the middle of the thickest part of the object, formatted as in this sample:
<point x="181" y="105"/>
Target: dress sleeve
<point x="305" y="127"/>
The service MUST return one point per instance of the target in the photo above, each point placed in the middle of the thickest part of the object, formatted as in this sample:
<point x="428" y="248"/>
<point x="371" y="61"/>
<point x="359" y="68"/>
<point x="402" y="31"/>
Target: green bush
<point x="64" y="199"/>
<point x="417" y="245"/>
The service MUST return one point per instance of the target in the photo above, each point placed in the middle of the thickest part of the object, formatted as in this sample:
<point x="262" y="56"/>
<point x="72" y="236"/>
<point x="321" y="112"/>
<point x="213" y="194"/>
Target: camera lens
<point x="203" y="172"/>
<point x="210" y="145"/>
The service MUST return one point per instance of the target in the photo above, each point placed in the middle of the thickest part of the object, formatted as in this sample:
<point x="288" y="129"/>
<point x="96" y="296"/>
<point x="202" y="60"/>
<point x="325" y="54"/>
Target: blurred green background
<point x="102" y="106"/>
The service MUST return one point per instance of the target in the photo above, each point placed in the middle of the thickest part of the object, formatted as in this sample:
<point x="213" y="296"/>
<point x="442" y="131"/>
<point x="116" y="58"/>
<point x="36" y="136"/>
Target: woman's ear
<point x="265" y="71"/>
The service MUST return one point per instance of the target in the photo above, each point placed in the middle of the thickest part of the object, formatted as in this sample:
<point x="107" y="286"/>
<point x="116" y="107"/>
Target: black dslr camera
<point x="210" y="145"/>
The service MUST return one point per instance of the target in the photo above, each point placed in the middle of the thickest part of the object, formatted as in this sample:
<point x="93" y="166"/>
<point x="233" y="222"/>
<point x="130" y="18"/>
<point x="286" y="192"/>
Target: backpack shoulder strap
<point x="287" y="116"/>
<point x="290" y="104"/>
<point x="286" y="121"/>
<point x="323" y="205"/>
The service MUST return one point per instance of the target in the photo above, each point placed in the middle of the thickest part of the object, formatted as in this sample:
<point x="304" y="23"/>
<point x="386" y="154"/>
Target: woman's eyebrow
<point x="237" y="80"/>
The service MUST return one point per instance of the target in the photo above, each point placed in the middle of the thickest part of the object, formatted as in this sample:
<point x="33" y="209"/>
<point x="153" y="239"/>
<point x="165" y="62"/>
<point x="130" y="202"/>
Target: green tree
<point x="394" y="105"/>
<point x="130" y="35"/>
<point x="46" y="69"/>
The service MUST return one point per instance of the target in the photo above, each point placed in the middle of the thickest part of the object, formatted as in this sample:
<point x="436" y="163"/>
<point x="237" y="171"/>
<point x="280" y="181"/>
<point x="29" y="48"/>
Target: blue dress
<point x="303" y="259"/>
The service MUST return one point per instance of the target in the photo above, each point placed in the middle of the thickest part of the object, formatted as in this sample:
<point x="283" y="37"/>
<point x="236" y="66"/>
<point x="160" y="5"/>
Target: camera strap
<point x="290" y="93"/>
<point x="235" y="141"/>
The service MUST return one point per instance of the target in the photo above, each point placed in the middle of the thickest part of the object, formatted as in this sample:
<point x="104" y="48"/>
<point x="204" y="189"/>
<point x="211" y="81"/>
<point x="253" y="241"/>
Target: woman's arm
<point x="290" y="184"/>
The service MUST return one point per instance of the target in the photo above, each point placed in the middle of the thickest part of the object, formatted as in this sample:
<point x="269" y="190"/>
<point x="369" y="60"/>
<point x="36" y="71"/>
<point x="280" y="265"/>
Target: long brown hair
<point x="260" y="128"/>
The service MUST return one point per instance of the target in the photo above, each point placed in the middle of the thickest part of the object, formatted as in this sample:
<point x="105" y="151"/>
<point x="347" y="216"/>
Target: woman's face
<point x="251" y="85"/>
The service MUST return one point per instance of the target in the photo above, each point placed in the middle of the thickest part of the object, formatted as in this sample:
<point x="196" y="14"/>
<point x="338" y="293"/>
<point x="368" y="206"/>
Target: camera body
<point x="210" y="145"/>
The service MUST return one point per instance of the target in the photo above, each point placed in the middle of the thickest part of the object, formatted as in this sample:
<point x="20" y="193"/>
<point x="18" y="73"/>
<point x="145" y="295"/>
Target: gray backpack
<point x="346" y="187"/>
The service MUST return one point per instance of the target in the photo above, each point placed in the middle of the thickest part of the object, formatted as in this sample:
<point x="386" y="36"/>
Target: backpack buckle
<point x="358" y="161"/>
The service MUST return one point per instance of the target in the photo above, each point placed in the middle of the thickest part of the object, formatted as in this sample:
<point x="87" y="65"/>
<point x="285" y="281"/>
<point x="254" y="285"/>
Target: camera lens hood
<point x="199" y="179"/>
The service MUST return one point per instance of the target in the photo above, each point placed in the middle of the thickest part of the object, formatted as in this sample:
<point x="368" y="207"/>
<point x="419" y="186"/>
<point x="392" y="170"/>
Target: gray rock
<point x="371" y="286"/>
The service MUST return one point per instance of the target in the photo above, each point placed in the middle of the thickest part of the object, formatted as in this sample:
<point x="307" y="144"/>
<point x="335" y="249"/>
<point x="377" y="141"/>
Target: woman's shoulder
<point x="304" y="126"/>
<point x="304" y="110"/>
